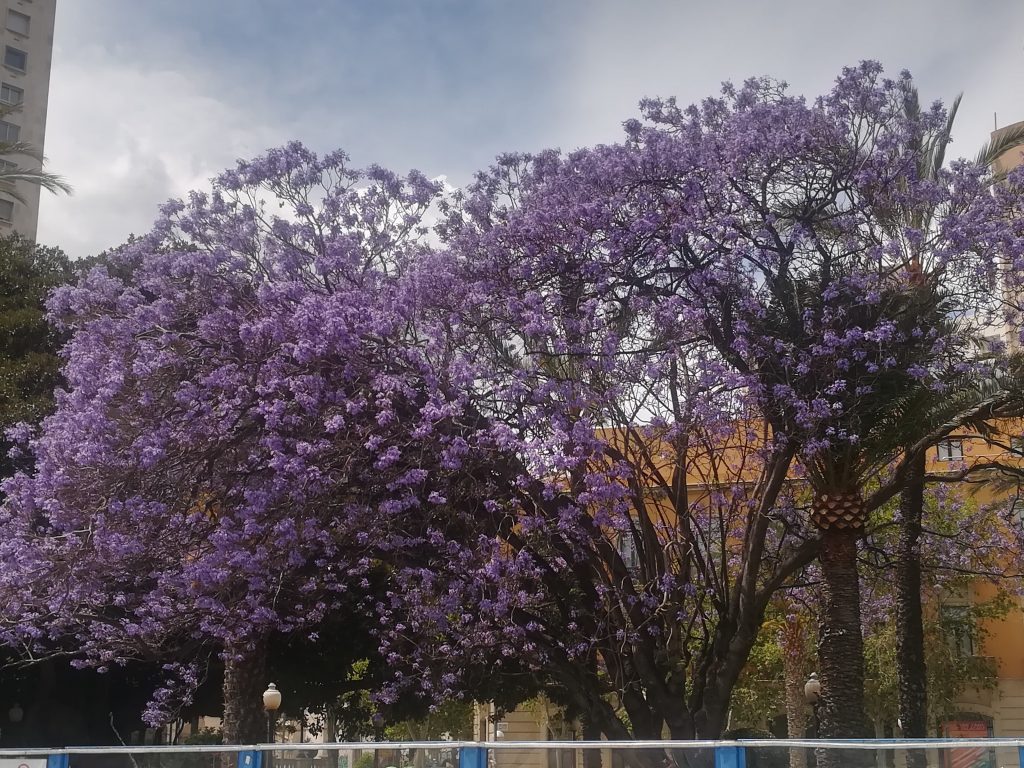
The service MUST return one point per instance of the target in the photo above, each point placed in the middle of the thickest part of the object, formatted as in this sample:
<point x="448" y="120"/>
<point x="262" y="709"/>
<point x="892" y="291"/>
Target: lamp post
<point x="271" y="703"/>
<point x="378" y="734"/>
<point x="812" y="694"/>
<point x="14" y="716"/>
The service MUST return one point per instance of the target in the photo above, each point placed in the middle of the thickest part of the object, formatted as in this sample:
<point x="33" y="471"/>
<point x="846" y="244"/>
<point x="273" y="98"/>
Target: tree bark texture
<point x="591" y="732"/>
<point x="841" y="713"/>
<point x="794" y="671"/>
<point x="910" y="663"/>
<point x="245" y="672"/>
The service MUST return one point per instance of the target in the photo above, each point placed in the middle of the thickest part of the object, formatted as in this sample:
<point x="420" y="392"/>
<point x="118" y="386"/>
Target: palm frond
<point x="927" y="412"/>
<point x="9" y="109"/>
<point x="1004" y="140"/>
<point x="10" y="176"/>
<point x="8" y="148"/>
<point x="51" y="182"/>
<point x="937" y="156"/>
<point x="11" y="173"/>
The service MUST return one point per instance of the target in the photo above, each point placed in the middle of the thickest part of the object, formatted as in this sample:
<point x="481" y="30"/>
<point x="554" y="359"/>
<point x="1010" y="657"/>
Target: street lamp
<point x="812" y="689"/>
<point x="14" y="716"/>
<point x="271" y="703"/>
<point x="378" y="733"/>
<point x="812" y="693"/>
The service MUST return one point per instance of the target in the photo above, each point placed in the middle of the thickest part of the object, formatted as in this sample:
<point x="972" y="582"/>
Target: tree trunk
<point x="331" y="734"/>
<point x="841" y="714"/>
<point x="794" y="671"/>
<point x="245" y="673"/>
<point x="910" y="665"/>
<point x="591" y="732"/>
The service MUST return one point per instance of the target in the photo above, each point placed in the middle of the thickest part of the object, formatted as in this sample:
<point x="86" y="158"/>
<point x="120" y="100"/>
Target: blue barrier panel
<point x="249" y="759"/>
<point x="57" y="761"/>
<point x="472" y="757"/>
<point x="730" y="757"/>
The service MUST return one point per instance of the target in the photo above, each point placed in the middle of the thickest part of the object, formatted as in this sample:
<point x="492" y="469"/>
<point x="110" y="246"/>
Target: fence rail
<point x="885" y="745"/>
<point x="743" y="753"/>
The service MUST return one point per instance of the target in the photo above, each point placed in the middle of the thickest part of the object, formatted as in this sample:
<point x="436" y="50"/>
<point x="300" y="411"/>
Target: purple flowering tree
<point x="738" y="258"/>
<point x="930" y="139"/>
<point x="250" y="425"/>
<point x="566" y="437"/>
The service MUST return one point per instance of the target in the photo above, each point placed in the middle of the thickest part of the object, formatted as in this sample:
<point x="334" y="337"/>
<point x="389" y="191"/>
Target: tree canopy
<point x="561" y="429"/>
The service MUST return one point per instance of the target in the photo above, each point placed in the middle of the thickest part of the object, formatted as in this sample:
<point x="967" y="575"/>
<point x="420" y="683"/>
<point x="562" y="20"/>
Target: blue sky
<point x="150" y="98"/>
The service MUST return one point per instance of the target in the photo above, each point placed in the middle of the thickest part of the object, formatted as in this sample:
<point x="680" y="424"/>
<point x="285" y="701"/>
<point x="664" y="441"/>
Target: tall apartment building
<point x="26" y="42"/>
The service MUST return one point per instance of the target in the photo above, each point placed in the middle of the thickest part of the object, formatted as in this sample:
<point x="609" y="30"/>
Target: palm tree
<point x="875" y="434"/>
<point x="896" y="422"/>
<point x="12" y="172"/>
<point x="910" y="663"/>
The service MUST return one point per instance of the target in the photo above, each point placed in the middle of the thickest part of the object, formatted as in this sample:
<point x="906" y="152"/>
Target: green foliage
<point x="955" y="614"/>
<point x="334" y="669"/>
<point x="950" y="672"/>
<point x="760" y="692"/>
<point x="955" y="623"/>
<point x="452" y="717"/>
<point x="29" y="366"/>
<point x="204" y="736"/>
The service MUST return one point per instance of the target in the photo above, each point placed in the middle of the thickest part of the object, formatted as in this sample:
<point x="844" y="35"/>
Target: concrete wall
<point x="529" y="722"/>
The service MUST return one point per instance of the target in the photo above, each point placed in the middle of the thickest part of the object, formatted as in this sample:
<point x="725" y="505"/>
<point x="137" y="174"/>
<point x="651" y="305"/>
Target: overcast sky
<point x="149" y="99"/>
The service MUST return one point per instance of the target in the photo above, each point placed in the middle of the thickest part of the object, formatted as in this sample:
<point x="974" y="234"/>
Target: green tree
<point x="29" y="366"/>
<point x="954" y="558"/>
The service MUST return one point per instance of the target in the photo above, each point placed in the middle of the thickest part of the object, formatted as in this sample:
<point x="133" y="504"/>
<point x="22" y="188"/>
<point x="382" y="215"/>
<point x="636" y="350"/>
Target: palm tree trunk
<point x="794" y="669"/>
<point x="841" y="650"/>
<point x="910" y="664"/>
<point x="244" y="680"/>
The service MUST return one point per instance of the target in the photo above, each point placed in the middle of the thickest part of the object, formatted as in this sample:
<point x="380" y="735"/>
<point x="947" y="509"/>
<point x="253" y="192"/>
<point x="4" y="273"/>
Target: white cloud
<point x="129" y="138"/>
<point x="146" y="104"/>
<point x="624" y="52"/>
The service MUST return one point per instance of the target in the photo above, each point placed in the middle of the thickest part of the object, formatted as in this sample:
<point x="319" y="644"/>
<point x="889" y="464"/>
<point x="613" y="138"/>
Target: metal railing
<point x="745" y="753"/>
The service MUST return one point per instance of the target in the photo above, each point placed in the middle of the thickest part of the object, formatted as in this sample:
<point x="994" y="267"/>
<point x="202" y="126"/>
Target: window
<point x="6" y="166"/>
<point x="9" y="132"/>
<point x="15" y="59"/>
<point x="6" y="210"/>
<point x="1017" y="444"/>
<point x="951" y="450"/>
<point x="958" y="628"/>
<point x="11" y="95"/>
<point x="17" y="22"/>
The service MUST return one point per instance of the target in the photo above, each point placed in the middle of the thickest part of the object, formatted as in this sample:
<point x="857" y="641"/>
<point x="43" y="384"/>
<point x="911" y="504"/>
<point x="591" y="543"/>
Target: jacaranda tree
<point x="746" y="248"/>
<point x="249" y="421"/>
